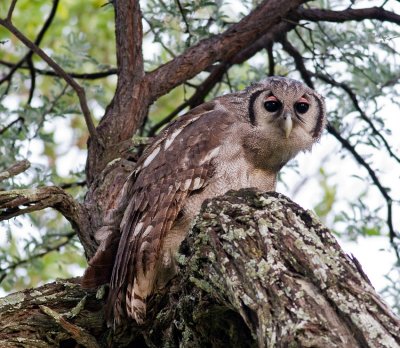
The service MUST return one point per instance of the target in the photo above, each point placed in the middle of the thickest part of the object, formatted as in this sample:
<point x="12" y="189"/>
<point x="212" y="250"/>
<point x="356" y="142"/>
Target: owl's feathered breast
<point x="177" y="164"/>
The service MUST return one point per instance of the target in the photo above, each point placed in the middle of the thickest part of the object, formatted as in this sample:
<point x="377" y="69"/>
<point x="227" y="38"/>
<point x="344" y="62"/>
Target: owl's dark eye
<point x="301" y="107"/>
<point x="272" y="105"/>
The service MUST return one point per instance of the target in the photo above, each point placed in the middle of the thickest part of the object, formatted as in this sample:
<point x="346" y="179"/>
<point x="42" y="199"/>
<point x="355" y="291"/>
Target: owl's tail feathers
<point x="115" y="309"/>
<point x="136" y="309"/>
<point x="101" y="264"/>
<point x="123" y="305"/>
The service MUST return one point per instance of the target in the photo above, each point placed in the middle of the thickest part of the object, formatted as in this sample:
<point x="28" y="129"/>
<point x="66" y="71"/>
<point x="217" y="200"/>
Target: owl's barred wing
<point x="179" y="162"/>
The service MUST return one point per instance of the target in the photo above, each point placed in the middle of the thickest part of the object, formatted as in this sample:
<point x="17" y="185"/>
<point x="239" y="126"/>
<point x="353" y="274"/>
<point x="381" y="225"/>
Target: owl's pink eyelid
<point x="271" y="98"/>
<point x="303" y="100"/>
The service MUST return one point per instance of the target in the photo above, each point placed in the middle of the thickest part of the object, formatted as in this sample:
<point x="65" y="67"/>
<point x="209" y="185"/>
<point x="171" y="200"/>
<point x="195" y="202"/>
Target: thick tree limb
<point x="256" y="270"/>
<point x="50" y="316"/>
<point x="129" y="34"/>
<point x="22" y="201"/>
<point x="219" y="47"/>
<point x="349" y="14"/>
<point x="218" y="71"/>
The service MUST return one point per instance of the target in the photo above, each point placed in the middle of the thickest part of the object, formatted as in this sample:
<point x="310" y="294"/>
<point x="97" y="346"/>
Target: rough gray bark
<point x="256" y="271"/>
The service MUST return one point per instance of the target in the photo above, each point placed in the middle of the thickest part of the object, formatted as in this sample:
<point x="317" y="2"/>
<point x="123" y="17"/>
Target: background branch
<point x="64" y="240"/>
<point x="15" y="169"/>
<point x="349" y="14"/>
<point x="306" y="75"/>
<point x="78" y="89"/>
<point x="84" y="76"/>
<point x="28" y="57"/>
<point x="353" y="98"/>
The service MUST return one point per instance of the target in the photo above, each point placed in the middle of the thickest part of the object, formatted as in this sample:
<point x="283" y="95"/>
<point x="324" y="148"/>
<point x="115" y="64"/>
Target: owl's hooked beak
<point x="287" y="124"/>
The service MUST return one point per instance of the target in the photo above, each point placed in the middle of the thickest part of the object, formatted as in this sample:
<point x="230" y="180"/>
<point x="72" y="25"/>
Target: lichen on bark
<point x="256" y="270"/>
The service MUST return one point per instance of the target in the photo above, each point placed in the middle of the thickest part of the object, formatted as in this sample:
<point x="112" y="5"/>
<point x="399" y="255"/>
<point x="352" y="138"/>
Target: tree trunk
<point x="256" y="270"/>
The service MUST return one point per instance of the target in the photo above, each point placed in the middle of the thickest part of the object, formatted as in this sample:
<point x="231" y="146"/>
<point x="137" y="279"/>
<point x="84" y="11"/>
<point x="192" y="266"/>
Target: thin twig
<point x="345" y="143"/>
<point x="182" y="11"/>
<point x="298" y="61"/>
<point x="78" y="89"/>
<point x="15" y="169"/>
<point x="363" y="115"/>
<point x="271" y="61"/>
<point x="165" y="47"/>
<point x="11" y="10"/>
<point x="47" y="249"/>
<point x="33" y="80"/>
<point x="73" y="184"/>
<point x="306" y="75"/>
<point x="84" y="76"/>
<point x="5" y="128"/>
<point x="49" y="109"/>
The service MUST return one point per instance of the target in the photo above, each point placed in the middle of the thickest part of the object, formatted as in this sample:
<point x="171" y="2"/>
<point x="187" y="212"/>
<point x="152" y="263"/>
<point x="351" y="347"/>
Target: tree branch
<point x="129" y="35"/>
<point x="349" y="14"/>
<point x="256" y="270"/>
<point x="221" y="47"/>
<point x="306" y="75"/>
<point x="15" y="169"/>
<point x="28" y="57"/>
<point x="86" y="76"/>
<point x="353" y="98"/>
<point x="78" y="89"/>
<point x="22" y="201"/>
<point x="218" y="71"/>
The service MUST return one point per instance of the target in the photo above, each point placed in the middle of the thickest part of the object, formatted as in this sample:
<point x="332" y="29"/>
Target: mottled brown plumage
<point x="238" y="140"/>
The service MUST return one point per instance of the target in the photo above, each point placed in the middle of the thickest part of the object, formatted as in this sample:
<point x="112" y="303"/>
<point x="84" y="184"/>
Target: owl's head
<point x="288" y="106"/>
<point x="286" y="116"/>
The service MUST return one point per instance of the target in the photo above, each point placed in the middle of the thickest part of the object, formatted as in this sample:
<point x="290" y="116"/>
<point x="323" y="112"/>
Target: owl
<point x="235" y="141"/>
